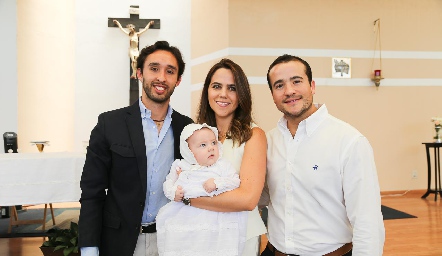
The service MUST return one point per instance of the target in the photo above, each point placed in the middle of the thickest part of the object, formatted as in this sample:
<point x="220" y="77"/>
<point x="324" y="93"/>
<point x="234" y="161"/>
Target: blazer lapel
<point x="136" y="134"/>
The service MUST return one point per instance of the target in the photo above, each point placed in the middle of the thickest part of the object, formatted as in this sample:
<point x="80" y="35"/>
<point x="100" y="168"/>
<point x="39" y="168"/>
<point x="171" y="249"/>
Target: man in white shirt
<point x="322" y="189"/>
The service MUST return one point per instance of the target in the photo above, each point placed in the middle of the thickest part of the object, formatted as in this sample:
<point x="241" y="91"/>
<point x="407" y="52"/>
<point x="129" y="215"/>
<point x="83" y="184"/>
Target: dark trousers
<point x="267" y="252"/>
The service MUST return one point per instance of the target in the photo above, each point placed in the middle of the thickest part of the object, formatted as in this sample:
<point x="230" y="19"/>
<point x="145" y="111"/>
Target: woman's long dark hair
<point x="240" y="130"/>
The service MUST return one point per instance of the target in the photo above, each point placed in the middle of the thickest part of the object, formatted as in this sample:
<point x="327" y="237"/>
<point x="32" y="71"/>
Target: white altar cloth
<point x="40" y="178"/>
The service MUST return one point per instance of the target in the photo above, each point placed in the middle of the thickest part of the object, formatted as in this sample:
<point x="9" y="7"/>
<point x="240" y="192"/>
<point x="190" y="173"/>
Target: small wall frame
<point x="341" y="67"/>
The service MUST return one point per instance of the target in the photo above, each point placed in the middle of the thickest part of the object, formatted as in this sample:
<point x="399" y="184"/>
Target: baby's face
<point x="204" y="146"/>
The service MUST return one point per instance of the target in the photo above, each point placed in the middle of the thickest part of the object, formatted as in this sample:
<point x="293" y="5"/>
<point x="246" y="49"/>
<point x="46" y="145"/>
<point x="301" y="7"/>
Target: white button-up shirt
<point x="323" y="188"/>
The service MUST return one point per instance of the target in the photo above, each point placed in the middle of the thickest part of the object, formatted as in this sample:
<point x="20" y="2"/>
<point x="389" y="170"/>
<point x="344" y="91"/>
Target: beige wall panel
<point x="360" y="67"/>
<point x="412" y="68"/>
<point x="411" y="25"/>
<point x="210" y="26"/>
<point x="253" y="65"/>
<point x="396" y="120"/>
<point x="196" y="95"/>
<point x="302" y="24"/>
<point x="258" y="66"/>
<point x="405" y="24"/>
<point x="200" y="71"/>
<point x="264" y="111"/>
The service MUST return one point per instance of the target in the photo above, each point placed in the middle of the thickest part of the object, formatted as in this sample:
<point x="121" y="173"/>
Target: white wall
<point x="101" y="56"/>
<point x="45" y="57"/>
<point x="72" y="66"/>
<point x="8" y="69"/>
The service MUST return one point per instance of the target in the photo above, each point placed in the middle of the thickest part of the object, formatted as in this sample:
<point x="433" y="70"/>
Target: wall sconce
<point x="377" y="77"/>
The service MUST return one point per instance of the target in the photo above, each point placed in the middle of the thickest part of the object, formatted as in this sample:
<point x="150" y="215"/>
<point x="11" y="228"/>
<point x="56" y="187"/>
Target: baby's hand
<point x="179" y="194"/>
<point x="178" y="170"/>
<point x="209" y="185"/>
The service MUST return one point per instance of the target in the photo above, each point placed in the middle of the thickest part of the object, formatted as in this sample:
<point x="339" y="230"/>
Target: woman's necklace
<point x="222" y="136"/>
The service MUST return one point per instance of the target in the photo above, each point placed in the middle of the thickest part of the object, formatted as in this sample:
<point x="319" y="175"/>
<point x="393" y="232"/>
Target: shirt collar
<point x="147" y="113"/>
<point x="309" y="124"/>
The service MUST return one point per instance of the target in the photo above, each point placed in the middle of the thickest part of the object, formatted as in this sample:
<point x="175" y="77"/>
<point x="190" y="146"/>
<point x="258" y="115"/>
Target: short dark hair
<point x="161" y="45"/>
<point x="287" y="58"/>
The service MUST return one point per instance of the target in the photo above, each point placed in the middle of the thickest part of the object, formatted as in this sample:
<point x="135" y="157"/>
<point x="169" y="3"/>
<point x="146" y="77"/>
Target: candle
<point x="377" y="72"/>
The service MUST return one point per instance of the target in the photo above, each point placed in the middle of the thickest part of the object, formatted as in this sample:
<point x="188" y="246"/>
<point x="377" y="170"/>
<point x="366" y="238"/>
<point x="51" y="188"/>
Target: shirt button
<point x="289" y="188"/>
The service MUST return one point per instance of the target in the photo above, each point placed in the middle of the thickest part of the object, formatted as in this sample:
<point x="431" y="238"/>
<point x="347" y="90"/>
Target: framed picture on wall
<point x="341" y="67"/>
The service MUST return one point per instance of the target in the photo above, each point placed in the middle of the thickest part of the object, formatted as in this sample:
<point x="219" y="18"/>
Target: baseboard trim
<point x="403" y="192"/>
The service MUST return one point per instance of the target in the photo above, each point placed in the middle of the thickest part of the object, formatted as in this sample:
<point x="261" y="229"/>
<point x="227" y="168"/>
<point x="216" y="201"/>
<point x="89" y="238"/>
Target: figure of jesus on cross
<point x="130" y="26"/>
<point x="133" y="44"/>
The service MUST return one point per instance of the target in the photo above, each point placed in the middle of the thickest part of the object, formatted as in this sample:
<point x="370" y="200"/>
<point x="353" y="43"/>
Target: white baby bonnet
<point x="184" y="146"/>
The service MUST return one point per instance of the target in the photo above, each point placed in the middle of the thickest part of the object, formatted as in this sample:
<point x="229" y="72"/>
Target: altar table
<point x="39" y="178"/>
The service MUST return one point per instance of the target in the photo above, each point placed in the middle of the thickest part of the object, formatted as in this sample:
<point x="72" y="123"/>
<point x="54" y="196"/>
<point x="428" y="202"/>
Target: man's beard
<point x="157" y="98"/>
<point x="305" y="108"/>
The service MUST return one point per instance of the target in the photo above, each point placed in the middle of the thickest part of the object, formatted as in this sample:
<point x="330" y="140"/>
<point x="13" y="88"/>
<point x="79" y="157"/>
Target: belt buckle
<point x="147" y="226"/>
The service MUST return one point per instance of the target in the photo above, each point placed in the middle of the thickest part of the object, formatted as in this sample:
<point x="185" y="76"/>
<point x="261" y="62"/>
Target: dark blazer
<point x="116" y="160"/>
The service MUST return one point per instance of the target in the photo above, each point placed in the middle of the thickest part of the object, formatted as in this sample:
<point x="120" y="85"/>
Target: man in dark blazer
<point x="129" y="155"/>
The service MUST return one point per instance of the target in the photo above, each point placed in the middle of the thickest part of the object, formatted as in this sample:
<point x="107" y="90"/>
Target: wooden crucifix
<point x="129" y="26"/>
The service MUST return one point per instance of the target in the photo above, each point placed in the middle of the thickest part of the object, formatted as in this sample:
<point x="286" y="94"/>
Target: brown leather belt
<point x="338" y="252"/>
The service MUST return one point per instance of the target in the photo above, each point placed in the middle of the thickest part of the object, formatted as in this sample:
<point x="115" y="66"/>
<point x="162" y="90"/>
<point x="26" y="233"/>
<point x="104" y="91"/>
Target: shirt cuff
<point x="89" y="251"/>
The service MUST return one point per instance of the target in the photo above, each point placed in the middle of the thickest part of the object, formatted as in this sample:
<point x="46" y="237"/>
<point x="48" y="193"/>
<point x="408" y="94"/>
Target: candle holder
<point x="40" y="145"/>
<point x="437" y="125"/>
<point x="437" y="138"/>
<point x="377" y="77"/>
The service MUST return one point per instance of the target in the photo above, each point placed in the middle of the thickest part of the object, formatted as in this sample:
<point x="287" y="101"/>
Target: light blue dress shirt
<point x="160" y="156"/>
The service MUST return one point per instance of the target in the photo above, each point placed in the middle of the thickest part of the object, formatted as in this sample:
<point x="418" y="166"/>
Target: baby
<point x="186" y="230"/>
